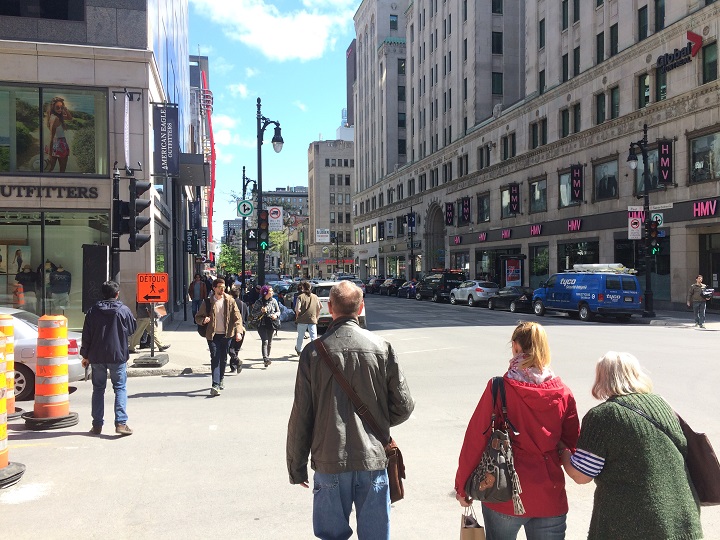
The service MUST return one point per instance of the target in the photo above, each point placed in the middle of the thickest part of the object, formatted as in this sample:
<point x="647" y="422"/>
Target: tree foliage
<point x="229" y="259"/>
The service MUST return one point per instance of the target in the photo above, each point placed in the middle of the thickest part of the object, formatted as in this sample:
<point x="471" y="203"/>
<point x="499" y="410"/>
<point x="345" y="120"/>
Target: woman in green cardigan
<point x="643" y="489"/>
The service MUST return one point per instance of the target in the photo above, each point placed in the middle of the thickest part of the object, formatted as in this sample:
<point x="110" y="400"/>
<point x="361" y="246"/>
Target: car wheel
<point x="538" y="308"/>
<point x="418" y="296"/>
<point x="471" y="301"/>
<point x="397" y="294"/>
<point x="513" y="307"/>
<point x="24" y="382"/>
<point x="584" y="313"/>
<point x="452" y="299"/>
<point x="435" y="297"/>
<point x="491" y="304"/>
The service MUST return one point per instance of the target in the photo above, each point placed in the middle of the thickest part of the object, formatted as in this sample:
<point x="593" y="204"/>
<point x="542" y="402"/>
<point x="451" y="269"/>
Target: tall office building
<point x="545" y="180"/>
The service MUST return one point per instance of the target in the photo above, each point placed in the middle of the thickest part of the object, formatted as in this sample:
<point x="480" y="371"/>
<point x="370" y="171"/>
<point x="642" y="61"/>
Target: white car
<point x="322" y="290"/>
<point x="473" y="292"/>
<point x="25" y="326"/>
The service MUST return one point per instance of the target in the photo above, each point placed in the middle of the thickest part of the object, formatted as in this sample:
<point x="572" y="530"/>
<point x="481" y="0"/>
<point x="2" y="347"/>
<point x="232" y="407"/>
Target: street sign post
<point x="275" y="218"/>
<point x="634" y="229"/>
<point x="152" y="288"/>
<point x="245" y="208"/>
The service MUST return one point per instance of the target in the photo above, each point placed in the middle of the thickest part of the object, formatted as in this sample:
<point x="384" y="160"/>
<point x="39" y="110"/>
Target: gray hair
<point x="619" y="374"/>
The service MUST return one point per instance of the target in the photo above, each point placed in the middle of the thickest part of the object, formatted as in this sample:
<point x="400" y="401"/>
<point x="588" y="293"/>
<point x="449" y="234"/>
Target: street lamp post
<point x="277" y="142"/>
<point x="411" y="235"/>
<point x="246" y="181"/>
<point x="633" y="162"/>
<point x="337" y="253"/>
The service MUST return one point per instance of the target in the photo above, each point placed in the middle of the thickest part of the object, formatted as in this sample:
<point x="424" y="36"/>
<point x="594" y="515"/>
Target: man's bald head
<point x="346" y="299"/>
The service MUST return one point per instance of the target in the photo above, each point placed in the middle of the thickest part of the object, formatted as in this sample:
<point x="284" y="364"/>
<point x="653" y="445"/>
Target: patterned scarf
<point x="531" y="375"/>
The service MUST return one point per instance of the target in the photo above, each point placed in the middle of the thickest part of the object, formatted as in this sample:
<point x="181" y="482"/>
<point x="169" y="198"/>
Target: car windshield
<point x="323" y="291"/>
<point x="488" y="285"/>
<point x="26" y="316"/>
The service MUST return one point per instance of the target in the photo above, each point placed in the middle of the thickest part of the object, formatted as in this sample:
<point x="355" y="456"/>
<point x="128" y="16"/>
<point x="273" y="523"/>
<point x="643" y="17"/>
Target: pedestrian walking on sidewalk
<point x="106" y="330"/>
<point x="223" y="322"/>
<point x="642" y="483"/>
<point x="543" y="413"/>
<point x="697" y="297"/>
<point x="236" y="345"/>
<point x="307" y="309"/>
<point x="349" y="461"/>
<point x="197" y="291"/>
<point x="144" y="320"/>
<point x="266" y="311"/>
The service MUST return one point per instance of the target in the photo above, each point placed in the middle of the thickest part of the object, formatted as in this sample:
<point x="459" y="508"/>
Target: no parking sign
<point x="275" y="218"/>
<point x="634" y="229"/>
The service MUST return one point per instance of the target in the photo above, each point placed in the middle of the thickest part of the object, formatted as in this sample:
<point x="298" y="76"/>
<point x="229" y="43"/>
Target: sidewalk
<point x="189" y="352"/>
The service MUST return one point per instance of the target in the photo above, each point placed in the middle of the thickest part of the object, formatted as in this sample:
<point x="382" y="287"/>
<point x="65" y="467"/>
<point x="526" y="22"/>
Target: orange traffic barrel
<point x="52" y="402"/>
<point x="7" y="328"/>
<point x="10" y="473"/>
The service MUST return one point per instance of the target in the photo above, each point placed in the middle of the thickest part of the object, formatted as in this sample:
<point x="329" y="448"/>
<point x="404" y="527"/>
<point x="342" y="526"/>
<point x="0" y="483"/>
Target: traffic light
<point x="653" y="241"/>
<point x="263" y="231"/>
<point x="136" y="221"/>
<point x="251" y="242"/>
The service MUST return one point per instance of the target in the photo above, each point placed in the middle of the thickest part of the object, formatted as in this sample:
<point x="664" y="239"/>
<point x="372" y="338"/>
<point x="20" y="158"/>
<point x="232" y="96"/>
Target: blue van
<point x="591" y="290"/>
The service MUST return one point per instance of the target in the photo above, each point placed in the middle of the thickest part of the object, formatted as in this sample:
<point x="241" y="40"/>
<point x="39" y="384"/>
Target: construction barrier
<point x="52" y="399"/>
<point x="10" y="473"/>
<point x="8" y="329"/>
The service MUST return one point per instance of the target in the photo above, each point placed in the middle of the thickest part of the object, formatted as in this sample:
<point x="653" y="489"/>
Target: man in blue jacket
<point x="108" y="325"/>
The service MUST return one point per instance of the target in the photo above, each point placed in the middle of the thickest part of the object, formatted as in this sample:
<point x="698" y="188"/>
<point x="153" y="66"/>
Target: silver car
<point x="25" y="327"/>
<point x="473" y="292"/>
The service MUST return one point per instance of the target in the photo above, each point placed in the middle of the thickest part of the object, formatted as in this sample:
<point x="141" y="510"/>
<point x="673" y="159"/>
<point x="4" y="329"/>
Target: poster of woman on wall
<point x="18" y="257"/>
<point x="3" y="259"/>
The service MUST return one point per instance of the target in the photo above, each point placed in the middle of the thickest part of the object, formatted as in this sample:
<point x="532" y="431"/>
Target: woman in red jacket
<point x="543" y="411"/>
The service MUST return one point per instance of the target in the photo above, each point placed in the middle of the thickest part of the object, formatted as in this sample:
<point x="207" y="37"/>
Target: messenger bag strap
<point x="360" y="407"/>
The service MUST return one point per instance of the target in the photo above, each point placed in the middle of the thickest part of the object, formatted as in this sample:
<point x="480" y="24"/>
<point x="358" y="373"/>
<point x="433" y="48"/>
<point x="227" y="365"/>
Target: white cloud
<point x="300" y="105"/>
<point x="238" y="89"/>
<point x="223" y="121"/>
<point x="302" y="34"/>
<point x="220" y="66"/>
<point x="251" y="72"/>
<point x="204" y="50"/>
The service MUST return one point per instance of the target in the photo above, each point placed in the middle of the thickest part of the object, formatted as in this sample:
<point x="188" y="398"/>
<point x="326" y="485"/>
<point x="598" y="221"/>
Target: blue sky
<point x="291" y="54"/>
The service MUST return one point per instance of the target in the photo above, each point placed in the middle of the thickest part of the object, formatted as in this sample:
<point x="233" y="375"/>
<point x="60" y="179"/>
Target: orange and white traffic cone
<point x="52" y="403"/>
<point x="10" y="473"/>
<point x="7" y="327"/>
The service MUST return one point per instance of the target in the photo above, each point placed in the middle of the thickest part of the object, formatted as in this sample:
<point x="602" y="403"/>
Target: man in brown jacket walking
<point x="223" y="321"/>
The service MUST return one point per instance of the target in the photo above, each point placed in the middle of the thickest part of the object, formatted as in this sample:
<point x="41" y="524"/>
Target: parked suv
<point x="590" y="289"/>
<point x="437" y="286"/>
<point x="391" y="285"/>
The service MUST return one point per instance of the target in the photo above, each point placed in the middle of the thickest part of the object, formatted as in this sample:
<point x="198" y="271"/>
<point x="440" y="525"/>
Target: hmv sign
<point x="576" y="183"/>
<point x="665" y="158"/>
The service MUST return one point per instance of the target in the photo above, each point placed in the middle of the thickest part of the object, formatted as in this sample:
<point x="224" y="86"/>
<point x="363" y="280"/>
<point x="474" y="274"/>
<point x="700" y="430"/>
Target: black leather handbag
<point x="494" y="479"/>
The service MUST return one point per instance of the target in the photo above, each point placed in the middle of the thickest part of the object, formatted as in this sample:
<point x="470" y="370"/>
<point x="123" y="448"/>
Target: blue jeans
<point x="334" y="495"/>
<point x="218" y="357"/>
<point x="504" y="527"/>
<point x="118" y="377"/>
<point x="196" y="306"/>
<point x="301" y="329"/>
<point x="699" y="312"/>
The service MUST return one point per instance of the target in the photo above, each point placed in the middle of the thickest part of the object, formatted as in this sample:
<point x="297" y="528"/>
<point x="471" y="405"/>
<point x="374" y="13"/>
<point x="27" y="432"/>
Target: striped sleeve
<point x="587" y="463"/>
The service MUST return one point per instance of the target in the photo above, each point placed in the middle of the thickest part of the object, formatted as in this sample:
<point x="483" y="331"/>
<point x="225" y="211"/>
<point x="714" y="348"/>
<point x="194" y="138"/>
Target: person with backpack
<point x="307" y="309"/>
<point x="267" y="314"/>
<point x="235" y="345"/>
<point x="221" y="320"/>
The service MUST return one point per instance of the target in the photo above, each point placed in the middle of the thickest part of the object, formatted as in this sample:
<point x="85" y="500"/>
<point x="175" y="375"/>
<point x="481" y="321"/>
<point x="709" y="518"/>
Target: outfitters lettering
<point x="48" y="192"/>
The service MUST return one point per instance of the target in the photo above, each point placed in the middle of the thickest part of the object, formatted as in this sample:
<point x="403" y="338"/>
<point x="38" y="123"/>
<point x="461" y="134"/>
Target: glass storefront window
<point x="35" y="253"/>
<point x="539" y="265"/>
<point x="577" y="253"/>
<point x="705" y="158"/>
<point x="631" y="254"/>
<point x="460" y="261"/>
<point x="538" y="196"/>
<point x="53" y="130"/>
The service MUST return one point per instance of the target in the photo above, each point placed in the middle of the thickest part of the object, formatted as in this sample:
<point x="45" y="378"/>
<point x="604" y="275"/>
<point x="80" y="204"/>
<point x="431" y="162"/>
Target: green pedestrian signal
<point x="263" y="245"/>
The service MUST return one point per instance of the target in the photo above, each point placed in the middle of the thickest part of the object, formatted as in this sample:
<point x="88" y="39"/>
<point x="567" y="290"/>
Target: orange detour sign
<point x="52" y="404"/>
<point x="152" y="288"/>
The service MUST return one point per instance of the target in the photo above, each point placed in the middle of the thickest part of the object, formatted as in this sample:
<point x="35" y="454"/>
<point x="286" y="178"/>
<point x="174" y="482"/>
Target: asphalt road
<point x="215" y="467"/>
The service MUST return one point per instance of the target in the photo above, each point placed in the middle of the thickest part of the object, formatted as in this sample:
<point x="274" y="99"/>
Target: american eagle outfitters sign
<point x="167" y="150"/>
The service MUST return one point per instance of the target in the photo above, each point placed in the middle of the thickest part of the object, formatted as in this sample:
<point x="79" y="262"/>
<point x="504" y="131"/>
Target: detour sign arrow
<point x="152" y="288"/>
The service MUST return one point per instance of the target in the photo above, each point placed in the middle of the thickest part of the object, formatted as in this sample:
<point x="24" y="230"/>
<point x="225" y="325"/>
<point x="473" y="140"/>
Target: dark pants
<point x="266" y="335"/>
<point x="218" y="357"/>
<point x="235" y="347"/>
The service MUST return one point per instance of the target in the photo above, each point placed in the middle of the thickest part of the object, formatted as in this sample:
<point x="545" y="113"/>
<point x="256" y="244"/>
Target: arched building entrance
<point x="434" y="239"/>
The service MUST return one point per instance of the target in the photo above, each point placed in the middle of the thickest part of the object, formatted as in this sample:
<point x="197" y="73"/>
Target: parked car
<point x="390" y="286"/>
<point x="590" y="289"/>
<point x="279" y="289"/>
<point x="25" y="327"/>
<point x="290" y="294"/>
<point x="373" y="286"/>
<point x="513" y="298"/>
<point x="437" y="286"/>
<point x="360" y="283"/>
<point x="406" y="290"/>
<point x="322" y="290"/>
<point x="473" y="292"/>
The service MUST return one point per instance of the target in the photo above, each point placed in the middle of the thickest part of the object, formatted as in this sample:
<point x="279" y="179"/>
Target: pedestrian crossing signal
<point x="263" y="231"/>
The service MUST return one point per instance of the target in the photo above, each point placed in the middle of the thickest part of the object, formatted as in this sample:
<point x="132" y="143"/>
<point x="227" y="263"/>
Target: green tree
<point x="229" y="259"/>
